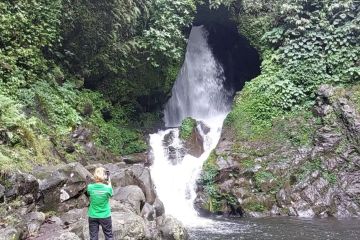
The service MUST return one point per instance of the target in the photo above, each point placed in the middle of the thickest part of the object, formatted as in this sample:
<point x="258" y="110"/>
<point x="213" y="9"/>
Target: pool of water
<point x="278" y="228"/>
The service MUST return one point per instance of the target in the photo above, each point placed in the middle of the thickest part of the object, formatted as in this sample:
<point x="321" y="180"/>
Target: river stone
<point x="204" y="128"/>
<point x="130" y="194"/>
<point x="303" y="209"/>
<point x="283" y="198"/>
<point x="172" y="229"/>
<point x="310" y="194"/>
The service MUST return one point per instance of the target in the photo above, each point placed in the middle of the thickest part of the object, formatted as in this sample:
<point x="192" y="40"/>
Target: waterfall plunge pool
<point x="278" y="228"/>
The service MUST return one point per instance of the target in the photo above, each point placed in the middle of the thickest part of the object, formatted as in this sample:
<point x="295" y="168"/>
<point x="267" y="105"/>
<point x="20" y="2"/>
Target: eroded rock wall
<point x="262" y="177"/>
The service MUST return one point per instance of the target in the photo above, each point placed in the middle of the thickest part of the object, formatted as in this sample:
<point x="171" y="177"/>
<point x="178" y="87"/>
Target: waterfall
<point x="198" y="92"/>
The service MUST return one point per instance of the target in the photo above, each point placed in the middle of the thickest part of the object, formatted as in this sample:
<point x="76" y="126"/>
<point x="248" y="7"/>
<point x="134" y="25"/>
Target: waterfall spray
<point x="198" y="93"/>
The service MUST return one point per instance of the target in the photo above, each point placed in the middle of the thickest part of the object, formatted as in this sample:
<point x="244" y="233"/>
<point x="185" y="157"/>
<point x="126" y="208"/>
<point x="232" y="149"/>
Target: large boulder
<point x="73" y="216"/>
<point x="132" y="195"/>
<point x="191" y="132"/>
<point x="62" y="183"/>
<point x="172" y="229"/>
<point x="20" y="184"/>
<point x="144" y="181"/>
<point x="126" y="226"/>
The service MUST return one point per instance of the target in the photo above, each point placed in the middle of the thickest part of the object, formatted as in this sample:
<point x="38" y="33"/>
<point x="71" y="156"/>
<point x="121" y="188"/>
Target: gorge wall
<point x="307" y="165"/>
<point x="275" y="156"/>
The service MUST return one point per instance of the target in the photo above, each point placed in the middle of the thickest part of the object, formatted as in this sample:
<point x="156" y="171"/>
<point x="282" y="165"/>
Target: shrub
<point x="187" y="128"/>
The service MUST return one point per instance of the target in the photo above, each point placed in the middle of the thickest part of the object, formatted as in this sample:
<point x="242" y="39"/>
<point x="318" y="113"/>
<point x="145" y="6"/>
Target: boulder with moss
<point x="192" y="137"/>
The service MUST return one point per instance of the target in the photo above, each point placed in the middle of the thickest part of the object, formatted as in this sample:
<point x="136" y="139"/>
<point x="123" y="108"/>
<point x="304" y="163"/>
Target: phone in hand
<point x="107" y="173"/>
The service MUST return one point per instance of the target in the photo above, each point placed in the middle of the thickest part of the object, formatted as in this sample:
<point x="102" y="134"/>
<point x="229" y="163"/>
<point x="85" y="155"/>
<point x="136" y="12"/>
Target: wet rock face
<point x="137" y="213"/>
<point x="174" y="148"/>
<point x="193" y="144"/>
<point x="320" y="179"/>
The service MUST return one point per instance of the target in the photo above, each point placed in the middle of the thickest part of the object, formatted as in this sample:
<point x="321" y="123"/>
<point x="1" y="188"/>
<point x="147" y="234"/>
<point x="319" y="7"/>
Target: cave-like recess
<point x="239" y="59"/>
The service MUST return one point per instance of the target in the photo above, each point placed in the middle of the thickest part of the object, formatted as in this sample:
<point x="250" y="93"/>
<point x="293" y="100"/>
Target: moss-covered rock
<point x="294" y="168"/>
<point x="187" y="128"/>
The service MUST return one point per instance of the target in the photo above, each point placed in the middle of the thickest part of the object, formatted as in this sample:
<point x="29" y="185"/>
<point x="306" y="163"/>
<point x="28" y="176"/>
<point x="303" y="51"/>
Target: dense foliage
<point x="104" y="65"/>
<point x="303" y="44"/>
<point x="187" y="128"/>
<point x="130" y="50"/>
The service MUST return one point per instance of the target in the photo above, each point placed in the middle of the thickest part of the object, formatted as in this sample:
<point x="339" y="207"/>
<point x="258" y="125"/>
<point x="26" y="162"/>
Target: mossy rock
<point x="187" y="127"/>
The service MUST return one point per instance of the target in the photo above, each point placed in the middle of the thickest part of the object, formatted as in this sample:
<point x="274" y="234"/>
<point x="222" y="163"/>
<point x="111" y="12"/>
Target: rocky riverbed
<point x="51" y="204"/>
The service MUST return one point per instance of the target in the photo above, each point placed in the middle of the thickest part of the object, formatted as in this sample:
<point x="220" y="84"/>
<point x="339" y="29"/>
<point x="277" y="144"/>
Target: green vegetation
<point x="316" y="165"/>
<point x="216" y="199"/>
<point x="255" y="206"/>
<point x="263" y="176"/>
<point x="302" y="44"/>
<point x="126" y="53"/>
<point x="187" y="128"/>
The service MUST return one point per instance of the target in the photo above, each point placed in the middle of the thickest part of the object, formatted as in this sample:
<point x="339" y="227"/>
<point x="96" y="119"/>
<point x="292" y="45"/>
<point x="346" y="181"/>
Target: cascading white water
<point x="198" y="92"/>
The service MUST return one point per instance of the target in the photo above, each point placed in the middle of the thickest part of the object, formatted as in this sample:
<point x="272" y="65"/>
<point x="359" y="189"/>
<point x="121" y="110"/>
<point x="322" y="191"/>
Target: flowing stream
<point x="198" y="93"/>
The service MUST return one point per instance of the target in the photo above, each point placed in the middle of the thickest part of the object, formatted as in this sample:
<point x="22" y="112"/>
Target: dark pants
<point x="106" y="226"/>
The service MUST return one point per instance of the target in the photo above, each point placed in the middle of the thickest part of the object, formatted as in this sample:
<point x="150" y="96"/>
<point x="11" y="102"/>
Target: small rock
<point x="33" y="221"/>
<point x="9" y="233"/>
<point x="172" y="229"/>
